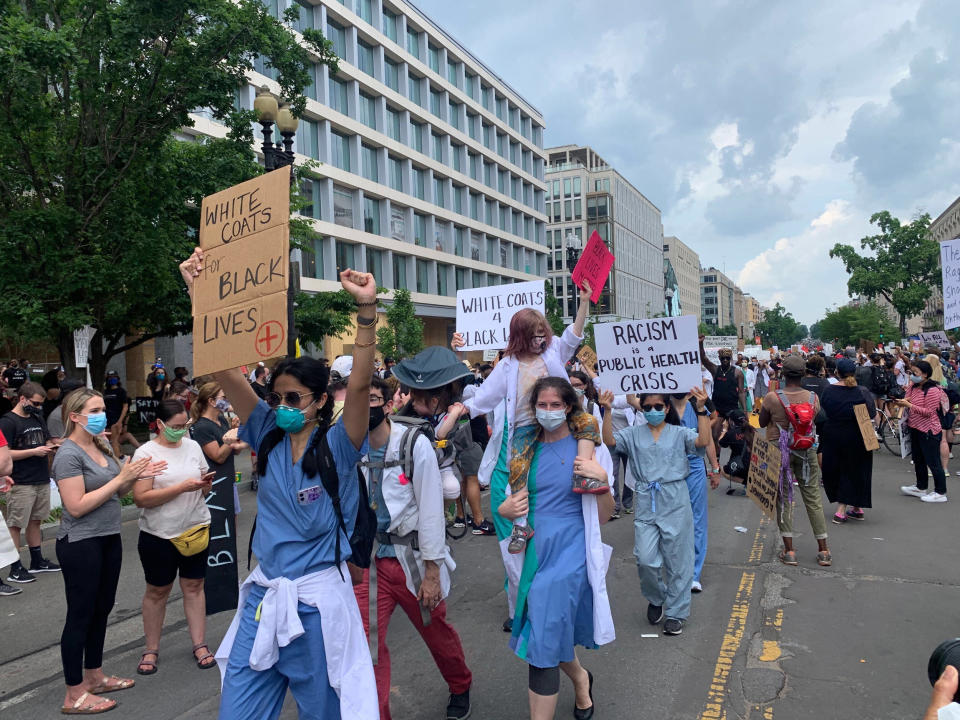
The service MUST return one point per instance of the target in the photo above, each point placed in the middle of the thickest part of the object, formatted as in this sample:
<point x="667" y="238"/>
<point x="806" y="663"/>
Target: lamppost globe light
<point x="286" y="120"/>
<point x="266" y="105"/>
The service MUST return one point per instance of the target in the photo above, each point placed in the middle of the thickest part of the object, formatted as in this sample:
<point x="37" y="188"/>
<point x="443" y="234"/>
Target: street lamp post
<point x="574" y="247"/>
<point x="276" y="156"/>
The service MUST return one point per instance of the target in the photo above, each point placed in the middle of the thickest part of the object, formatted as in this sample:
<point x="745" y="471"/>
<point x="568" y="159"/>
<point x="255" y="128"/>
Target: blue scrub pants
<point x="663" y="545"/>
<point x="249" y="694"/>
<point x="697" y="486"/>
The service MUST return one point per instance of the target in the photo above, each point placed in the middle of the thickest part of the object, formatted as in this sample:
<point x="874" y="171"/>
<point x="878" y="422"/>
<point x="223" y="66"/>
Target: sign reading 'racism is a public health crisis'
<point x="239" y="299"/>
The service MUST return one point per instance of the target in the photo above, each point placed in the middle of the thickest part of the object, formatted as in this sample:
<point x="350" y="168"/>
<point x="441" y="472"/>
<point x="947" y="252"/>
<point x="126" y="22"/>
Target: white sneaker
<point x="946" y="473"/>
<point x="696" y="587"/>
<point x="934" y="497"/>
<point x="912" y="490"/>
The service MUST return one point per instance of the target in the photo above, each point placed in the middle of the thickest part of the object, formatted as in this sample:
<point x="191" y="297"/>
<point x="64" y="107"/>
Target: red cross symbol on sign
<point x="270" y="337"/>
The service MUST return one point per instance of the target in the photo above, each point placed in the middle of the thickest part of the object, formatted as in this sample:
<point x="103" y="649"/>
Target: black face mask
<point x="376" y="417"/>
<point x="33" y="410"/>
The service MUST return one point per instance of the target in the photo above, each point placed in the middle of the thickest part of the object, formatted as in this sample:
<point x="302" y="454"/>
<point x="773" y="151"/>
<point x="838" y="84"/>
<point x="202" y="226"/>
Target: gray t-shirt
<point x="72" y="460"/>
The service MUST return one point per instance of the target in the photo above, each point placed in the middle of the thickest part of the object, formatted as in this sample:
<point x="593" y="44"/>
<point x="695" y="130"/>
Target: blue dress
<point x="555" y="601"/>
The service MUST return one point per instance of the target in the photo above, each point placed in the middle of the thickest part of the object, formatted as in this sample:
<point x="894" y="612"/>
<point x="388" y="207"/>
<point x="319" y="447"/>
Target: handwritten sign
<point x="763" y="476"/>
<point x="828" y="348"/>
<point x="659" y="355"/>
<point x="867" y="429"/>
<point x="246" y="209"/>
<point x="713" y="343"/>
<point x="588" y="358"/>
<point x="937" y="338"/>
<point x="867" y="346"/>
<point x="484" y="314"/>
<point x="240" y="298"/>
<point x="221" y="584"/>
<point x="950" y="269"/>
<point x="146" y="409"/>
<point x="594" y="266"/>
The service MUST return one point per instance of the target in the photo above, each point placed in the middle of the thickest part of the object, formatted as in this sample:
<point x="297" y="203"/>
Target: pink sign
<point x="594" y="265"/>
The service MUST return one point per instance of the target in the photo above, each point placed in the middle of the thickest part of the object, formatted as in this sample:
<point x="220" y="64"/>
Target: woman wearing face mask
<point x="663" y="526"/>
<point x="561" y="599"/>
<point x="118" y="404"/>
<point x="210" y="425"/>
<point x="173" y="508"/>
<point x="158" y="382"/>
<point x="587" y="392"/>
<point x="90" y="481"/>
<point x="925" y="402"/>
<point x="300" y="594"/>
<point x="532" y="353"/>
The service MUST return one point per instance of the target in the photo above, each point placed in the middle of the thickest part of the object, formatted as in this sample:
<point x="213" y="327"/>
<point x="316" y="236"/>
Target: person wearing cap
<point x="802" y="464"/>
<point x="339" y="374"/>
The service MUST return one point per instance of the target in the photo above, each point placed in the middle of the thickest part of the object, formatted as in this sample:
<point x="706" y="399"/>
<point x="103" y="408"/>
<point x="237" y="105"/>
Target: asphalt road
<point x="764" y="640"/>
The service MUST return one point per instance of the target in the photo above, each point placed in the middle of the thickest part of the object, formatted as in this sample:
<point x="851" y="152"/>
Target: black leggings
<point x="91" y="571"/>
<point x="544" y="681"/>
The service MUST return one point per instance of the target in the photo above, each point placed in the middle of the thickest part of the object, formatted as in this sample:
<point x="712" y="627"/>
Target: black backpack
<point x="365" y="525"/>
<point x="953" y="394"/>
<point x="879" y="380"/>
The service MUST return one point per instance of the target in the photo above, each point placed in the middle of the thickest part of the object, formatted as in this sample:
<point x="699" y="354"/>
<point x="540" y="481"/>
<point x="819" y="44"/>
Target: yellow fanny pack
<point x="192" y="541"/>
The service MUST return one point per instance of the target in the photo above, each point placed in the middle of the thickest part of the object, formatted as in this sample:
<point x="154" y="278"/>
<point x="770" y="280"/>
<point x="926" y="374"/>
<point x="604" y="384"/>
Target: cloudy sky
<point x="764" y="131"/>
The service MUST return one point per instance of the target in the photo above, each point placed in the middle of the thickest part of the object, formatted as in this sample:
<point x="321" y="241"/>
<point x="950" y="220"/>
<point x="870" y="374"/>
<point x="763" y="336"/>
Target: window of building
<point x="474" y="206"/>
<point x="423" y="276"/>
<point x="488" y="216"/>
<point x="398" y="223"/>
<point x="416" y="136"/>
<point x="390" y="25"/>
<point x="458" y="191"/>
<point x="375" y="264"/>
<point x="515" y="188"/>
<point x="517" y="257"/>
<point x="364" y="10"/>
<point x="368" y="162"/>
<point x="434" y="58"/>
<point x="308" y="193"/>
<point x="474" y="165"/>
<point x="461" y="275"/>
<point x="503" y="254"/>
<point x="413" y="88"/>
<point x="436" y="97"/>
<point x="455" y="153"/>
<point x="488" y="171"/>
<point x="567" y="187"/>
<point x="342" y="207"/>
<point x="502" y="145"/>
<point x="307" y="139"/>
<point x="413" y="42"/>
<point x="399" y="270"/>
<point x="504" y="217"/>
<point x="438" y="195"/>
<point x="437" y="149"/>
<point x="473" y="126"/>
<point x="391" y="74"/>
<point x="452" y="76"/>
<point x="346" y="256"/>
<point x="469" y="84"/>
<point x="420" y="229"/>
<point x="459" y="241"/>
<point x="393" y="124"/>
<point x="442" y="274"/>
<point x="340" y="147"/>
<point x="492" y="254"/>
<point x="338" y="37"/>
<point x="419" y="180"/>
<point x="576" y="185"/>
<point x="486" y="97"/>
<point x="338" y="95"/>
<point x="396" y="173"/>
<point x="365" y="57"/>
<point x="371" y="215"/>
<point x="475" y="242"/>
<point x="567" y="210"/>
<point x="453" y="116"/>
<point x="368" y="111"/>
<point x="502" y="180"/>
<point x="578" y="209"/>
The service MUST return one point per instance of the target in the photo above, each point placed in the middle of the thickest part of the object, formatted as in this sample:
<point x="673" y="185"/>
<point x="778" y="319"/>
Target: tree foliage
<point x="98" y="200"/>
<point x="849" y="324"/>
<point x="403" y="334"/>
<point x="901" y="266"/>
<point x="779" y="327"/>
<point x="325" y="314"/>
<point x="553" y="309"/>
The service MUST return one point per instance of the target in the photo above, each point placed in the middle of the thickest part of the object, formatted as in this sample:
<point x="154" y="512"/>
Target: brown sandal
<point x="83" y="707"/>
<point x="151" y="664"/>
<point x="208" y="656"/>
<point x="116" y="685"/>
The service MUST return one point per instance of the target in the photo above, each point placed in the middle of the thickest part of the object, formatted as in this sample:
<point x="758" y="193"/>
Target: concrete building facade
<point x="718" y="298"/>
<point x="686" y="265"/>
<point x="584" y="194"/>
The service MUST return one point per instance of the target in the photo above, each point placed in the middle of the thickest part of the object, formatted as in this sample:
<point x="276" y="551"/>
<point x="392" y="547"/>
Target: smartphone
<point x="208" y="478"/>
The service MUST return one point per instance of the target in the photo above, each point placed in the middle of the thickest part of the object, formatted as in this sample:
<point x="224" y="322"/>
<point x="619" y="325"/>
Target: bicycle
<point x="888" y="429"/>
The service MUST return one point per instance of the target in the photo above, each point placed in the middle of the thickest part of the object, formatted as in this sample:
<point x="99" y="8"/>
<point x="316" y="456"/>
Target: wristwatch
<point x="702" y="413"/>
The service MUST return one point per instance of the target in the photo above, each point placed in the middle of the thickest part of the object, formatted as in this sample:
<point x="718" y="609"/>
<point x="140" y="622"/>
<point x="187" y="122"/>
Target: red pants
<point x="441" y="639"/>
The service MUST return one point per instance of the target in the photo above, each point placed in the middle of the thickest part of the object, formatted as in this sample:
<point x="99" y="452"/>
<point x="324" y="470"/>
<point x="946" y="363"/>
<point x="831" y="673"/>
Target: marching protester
<point x="847" y="464"/>
<point x="29" y="498"/>
<point x="90" y="481"/>
<point x="658" y="452"/>
<point x="413" y="562"/>
<point x="925" y="402"/>
<point x="118" y="405"/>
<point x="298" y="625"/>
<point x="562" y="597"/>
<point x="788" y="416"/>
<point x="729" y="391"/>
<point x="174" y="533"/>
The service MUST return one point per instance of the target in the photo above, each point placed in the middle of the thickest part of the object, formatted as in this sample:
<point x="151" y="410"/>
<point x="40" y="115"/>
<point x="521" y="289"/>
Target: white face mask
<point x="551" y="419"/>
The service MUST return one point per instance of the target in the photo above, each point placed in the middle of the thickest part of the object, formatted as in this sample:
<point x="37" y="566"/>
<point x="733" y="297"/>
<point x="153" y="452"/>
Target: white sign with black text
<point x="484" y="314"/>
<point x="950" y="268"/>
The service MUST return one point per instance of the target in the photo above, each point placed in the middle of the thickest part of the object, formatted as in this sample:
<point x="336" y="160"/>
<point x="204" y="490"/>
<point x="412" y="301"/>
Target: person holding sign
<point x="663" y="525"/>
<point x="532" y="353"/>
<point x="298" y="625"/>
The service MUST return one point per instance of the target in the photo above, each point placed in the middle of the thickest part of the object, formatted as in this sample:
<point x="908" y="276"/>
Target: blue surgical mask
<point x="579" y="391"/>
<point x="96" y="423"/>
<point x="290" y="420"/>
<point x="655" y="417"/>
<point x="551" y="419"/>
<point x="916" y="379"/>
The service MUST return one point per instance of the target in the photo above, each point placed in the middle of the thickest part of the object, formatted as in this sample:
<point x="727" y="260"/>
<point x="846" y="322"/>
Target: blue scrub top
<point x="662" y="461"/>
<point x="293" y="540"/>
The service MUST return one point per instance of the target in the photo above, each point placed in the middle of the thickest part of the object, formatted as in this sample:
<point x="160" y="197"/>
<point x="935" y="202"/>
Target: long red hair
<point x="523" y="326"/>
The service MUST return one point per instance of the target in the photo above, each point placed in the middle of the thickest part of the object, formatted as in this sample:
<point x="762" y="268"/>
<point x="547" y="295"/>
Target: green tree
<point x="324" y="314"/>
<point x="779" y="327"/>
<point x="553" y="309"/>
<point x="901" y="266"/>
<point x="403" y="334"/>
<point x="97" y="198"/>
<point x="848" y="324"/>
<point x="705" y="329"/>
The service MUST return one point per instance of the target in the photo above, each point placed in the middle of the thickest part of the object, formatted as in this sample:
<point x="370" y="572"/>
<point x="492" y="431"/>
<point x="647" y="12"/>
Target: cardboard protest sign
<point x="245" y="333"/>
<point x="867" y="429"/>
<point x="146" y="409"/>
<point x="594" y="266"/>
<point x="655" y="355"/>
<point x="489" y="355"/>
<point x="937" y="338"/>
<point x="221" y="586"/>
<point x="950" y="270"/>
<point x="763" y="476"/>
<point x="916" y="345"/>
<point x="484" y="314"/>
<point x="244" y="270"/>
<point x="588" y="357"/>
<point x="867" y="346"/>
<point x="713" y="343"/>
<point x="246" y="209"/>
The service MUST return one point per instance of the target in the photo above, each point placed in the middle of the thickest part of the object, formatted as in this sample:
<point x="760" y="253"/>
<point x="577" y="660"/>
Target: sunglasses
<point x="290" y="399"/>
<point x="655" y="406"/>
<point x="182" y="426"/>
